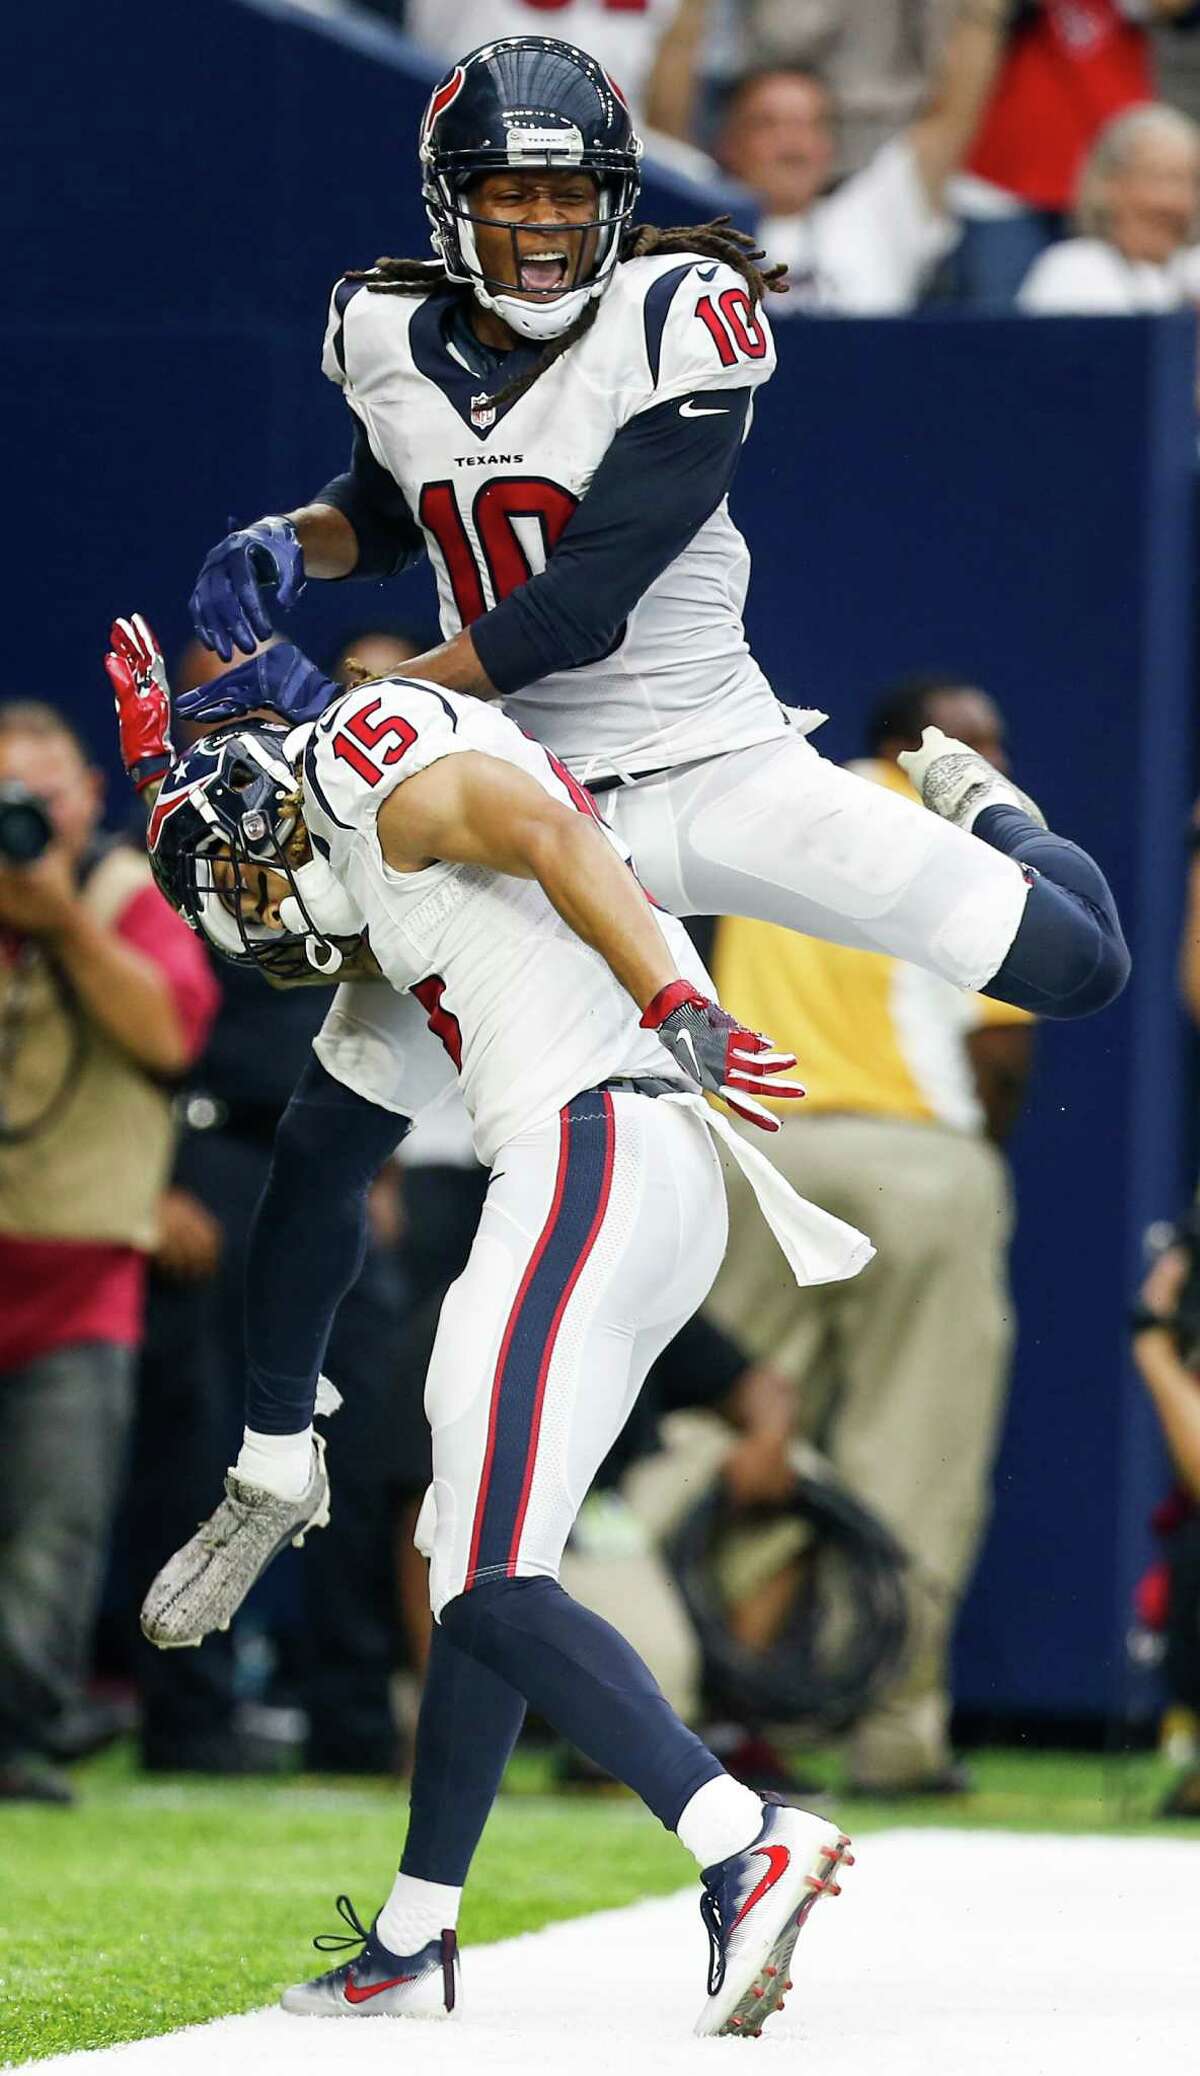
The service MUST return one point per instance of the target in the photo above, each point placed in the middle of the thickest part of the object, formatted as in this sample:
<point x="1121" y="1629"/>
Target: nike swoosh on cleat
<point x="779" y="1858"/>
<point x="690" y="410"/>
<point x="354" y="1995"/>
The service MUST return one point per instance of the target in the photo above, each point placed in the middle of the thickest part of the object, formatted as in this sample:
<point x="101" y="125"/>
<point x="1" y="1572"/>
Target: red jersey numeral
<point x="497" y="505"/>
<point x="362" y="732"/>
<point x="736" y="331"/>
<point x="439" y="513"/>
<point x="442" y="1022"/>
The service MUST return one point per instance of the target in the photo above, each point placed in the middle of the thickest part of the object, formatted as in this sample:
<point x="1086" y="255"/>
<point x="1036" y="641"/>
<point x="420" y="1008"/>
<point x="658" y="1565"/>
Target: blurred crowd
<point x="993" y="155"/>
<point x="989" y="154"/>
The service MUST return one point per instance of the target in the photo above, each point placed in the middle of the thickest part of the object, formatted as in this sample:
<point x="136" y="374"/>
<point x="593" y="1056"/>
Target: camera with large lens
<point x="25" y="825"/>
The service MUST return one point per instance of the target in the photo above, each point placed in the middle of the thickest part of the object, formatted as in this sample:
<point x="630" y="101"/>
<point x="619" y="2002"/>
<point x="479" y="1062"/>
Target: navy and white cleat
<point x="754" y="1905"/>
<point x="376" y="1983"/>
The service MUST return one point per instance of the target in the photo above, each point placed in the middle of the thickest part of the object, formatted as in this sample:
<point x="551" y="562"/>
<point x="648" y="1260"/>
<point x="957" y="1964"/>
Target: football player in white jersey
<point x="553" y="410"/>
<point x="426" y="825"/>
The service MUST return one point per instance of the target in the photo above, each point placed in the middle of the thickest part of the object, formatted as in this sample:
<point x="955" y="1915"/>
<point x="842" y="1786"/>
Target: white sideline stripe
<point x="949" y="1952"/>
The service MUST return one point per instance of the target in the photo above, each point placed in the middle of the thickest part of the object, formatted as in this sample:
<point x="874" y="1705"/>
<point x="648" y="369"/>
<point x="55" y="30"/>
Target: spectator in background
<point x="1071" y="66"/>
<point x="629" y="40"/>
<point x="869" y="247"/>
<point x="876" y="60"/>
<point x="1138" y="218"/>
<point x="104" y="999"/>
<point x="900" y="1380"/>
<point x="369" y="652"/>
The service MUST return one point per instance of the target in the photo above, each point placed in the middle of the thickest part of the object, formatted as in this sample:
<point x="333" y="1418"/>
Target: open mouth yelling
<point x="542" y="273"/>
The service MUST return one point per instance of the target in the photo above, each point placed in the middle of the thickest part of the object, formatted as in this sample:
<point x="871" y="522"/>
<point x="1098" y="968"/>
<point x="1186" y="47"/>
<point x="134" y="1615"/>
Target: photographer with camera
<point x="105" y="997"/>
<point x="1166" y="1349"/>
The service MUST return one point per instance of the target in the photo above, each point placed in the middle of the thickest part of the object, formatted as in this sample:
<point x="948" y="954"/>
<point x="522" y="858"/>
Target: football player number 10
<point x="736" y="333"/>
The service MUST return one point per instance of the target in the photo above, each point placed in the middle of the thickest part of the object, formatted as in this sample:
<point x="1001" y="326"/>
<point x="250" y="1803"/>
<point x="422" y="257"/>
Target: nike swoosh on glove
<point x="280" y="677"/>
<point x="228" y="607"/>
<point x="138" y="677"/>
<point x="720" y="1054"/>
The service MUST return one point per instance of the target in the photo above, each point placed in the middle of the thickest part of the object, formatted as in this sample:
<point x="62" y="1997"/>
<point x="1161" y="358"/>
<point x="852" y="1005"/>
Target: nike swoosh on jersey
<point x="688" y="409"/>
<point x="355" y="1995"/>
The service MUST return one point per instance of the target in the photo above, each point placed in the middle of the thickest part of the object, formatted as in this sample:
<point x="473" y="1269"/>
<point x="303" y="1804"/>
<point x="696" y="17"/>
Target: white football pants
<point x="777" y="833"/>
<point x="601" y="1234"/>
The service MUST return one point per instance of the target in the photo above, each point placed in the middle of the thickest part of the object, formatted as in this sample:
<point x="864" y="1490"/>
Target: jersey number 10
<point x="497" y="504"/>
<point x="733" y="327"/>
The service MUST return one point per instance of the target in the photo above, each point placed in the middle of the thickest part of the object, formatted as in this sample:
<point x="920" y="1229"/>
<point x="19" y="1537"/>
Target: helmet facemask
<point x="230" y="813"/>
<point x="532" y="315"/>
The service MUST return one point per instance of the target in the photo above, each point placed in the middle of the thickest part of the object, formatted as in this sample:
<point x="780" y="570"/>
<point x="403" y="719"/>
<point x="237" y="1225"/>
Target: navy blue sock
<point x="1069" y="956"/>
<point x="588" y="1682"/>
<point x="307" y="1241"/>
<point x="467" y="1728"/>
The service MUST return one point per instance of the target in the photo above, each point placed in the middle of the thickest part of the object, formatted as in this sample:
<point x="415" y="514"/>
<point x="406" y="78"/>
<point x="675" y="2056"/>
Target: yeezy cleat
<point x="378" y="1984"/>
<point x="203" y="1585"/>
<point x="957" y="783"/>
<point x="753" y="1907"/>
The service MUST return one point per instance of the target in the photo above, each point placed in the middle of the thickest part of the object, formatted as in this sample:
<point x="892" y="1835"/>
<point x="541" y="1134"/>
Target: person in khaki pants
<point x="901" y="1375"/>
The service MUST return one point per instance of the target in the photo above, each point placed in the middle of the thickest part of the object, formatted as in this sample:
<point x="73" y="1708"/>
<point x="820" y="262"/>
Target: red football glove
<point x="719" y="1053"/>
<point x="138" y="676"/>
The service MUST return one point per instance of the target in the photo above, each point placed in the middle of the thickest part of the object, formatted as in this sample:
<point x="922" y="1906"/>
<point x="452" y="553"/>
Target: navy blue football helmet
<point x="528" y="102"/>
<point x="228" y="810"/>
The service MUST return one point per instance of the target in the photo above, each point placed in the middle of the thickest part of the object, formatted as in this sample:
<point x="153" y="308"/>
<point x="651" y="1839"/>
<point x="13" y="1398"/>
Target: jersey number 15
<point x="363" y="733"/>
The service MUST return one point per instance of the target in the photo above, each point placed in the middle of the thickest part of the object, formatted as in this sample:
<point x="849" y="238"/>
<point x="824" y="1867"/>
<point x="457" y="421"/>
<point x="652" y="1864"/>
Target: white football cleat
<point x="203" y="1585"/>
<point x="956" y="783"/>
<point x="754" y="1906"/>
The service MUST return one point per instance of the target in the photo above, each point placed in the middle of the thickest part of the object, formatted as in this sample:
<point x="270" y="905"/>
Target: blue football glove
<point x="228" y="607"/>
<point x="279" y="677"/>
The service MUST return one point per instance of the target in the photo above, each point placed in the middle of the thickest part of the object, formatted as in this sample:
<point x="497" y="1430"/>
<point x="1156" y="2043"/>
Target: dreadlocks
<point x="717" y="240"/>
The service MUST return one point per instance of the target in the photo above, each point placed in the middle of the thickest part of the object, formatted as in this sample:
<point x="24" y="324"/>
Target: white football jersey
<point x="530" y="1015"/>
<point x="623" y="34"/>
<point x="492" y="491"/>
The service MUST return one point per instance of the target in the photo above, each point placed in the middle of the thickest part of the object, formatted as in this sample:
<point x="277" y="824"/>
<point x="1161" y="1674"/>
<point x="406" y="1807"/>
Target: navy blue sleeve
<point x="389" y="539"/>
<point x="665" y="473"/>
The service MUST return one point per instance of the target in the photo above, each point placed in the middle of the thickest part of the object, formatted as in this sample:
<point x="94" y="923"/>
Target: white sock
<point x="278" y="1463"/>
<point x="416" y="1912"/>
<point x="722" y="1818"/>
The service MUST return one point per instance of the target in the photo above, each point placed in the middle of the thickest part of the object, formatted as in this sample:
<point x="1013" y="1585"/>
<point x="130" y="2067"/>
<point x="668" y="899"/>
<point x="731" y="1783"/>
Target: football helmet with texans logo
<point x="229" y="850"/>
<point x="526" y="102"/>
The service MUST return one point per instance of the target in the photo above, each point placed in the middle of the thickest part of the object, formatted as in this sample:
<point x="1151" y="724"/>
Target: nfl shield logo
<point x="483" y="412"/>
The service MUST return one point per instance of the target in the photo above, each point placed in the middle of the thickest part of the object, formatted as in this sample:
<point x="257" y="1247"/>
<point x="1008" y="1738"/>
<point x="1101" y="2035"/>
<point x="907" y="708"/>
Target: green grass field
<point x="156" y="1903"/>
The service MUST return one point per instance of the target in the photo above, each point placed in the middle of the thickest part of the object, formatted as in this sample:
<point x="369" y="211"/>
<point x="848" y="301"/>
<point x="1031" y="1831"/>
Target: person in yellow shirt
<point x="901" y="1375"/>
